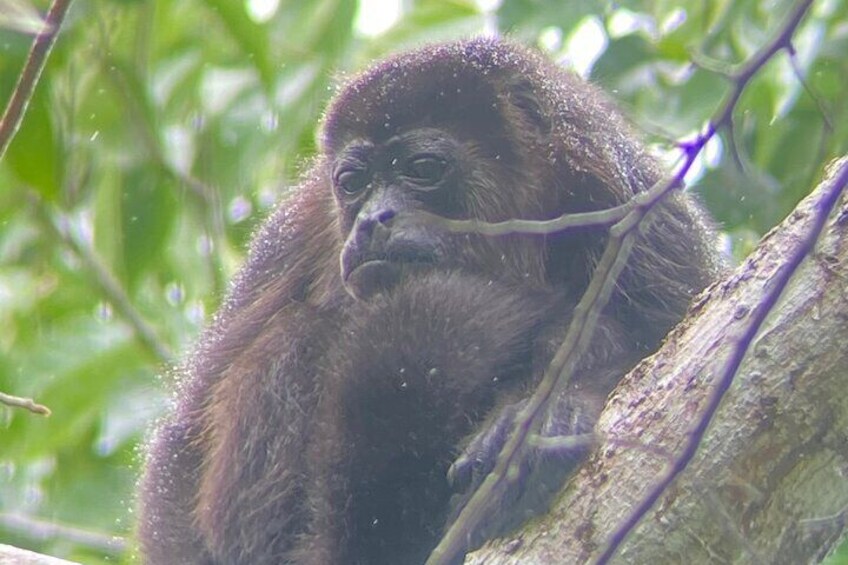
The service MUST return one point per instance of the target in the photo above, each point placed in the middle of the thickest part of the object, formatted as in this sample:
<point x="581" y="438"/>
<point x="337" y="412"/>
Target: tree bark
<point x="768" y="482"/>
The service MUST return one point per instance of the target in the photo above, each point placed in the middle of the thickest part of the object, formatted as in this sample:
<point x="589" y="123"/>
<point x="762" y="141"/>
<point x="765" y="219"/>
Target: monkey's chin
<point x="372" y="277"/>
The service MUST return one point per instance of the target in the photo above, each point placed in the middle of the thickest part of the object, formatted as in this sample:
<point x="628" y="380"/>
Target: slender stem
<point x="25" y="403"/>
<point x="37" y="58"/>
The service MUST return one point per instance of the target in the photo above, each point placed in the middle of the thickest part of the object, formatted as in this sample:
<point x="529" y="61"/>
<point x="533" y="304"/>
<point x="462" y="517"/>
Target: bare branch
<point x="606" y="217"/>
<point x="16" y="108"/>
<point x="25" y="403"/>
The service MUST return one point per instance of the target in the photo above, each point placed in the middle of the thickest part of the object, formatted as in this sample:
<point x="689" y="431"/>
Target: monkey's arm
<point x="166" y="530"/>
<point x="245" y="391"/>
<point x="225" y="474"/>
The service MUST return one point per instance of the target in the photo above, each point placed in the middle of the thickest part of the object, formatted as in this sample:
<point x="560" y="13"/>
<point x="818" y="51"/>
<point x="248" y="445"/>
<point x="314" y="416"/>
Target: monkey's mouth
<point x="378" y="272"/>
<point x="398" y="257"/>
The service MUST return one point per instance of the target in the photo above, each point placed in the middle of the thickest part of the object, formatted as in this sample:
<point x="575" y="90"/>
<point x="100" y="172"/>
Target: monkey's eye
<point x="426" y="170"/>
<point x="352" y="181"/>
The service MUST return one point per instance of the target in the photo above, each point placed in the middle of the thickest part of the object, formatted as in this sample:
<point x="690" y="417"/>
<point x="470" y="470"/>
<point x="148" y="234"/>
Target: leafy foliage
<point x="162" y="132"/>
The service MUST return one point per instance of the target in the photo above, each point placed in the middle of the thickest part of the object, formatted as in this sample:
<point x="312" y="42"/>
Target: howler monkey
<point x="362" y="350"/>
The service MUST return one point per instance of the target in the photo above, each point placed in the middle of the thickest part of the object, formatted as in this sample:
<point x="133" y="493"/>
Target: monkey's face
<point x="381" y="188"/>
<point x="447" y="136"/>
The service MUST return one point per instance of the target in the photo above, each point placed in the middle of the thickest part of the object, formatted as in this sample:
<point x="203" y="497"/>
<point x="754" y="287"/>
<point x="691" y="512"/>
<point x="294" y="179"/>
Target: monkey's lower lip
<point x="382" y="264"/>
<point x="371" y="277"/>
<point x="371" y="265"/>
<point x="376" y="275"/>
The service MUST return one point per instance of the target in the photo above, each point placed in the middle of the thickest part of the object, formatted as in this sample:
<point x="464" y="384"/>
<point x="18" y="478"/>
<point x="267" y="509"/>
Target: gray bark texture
<point x="769" y="483"/>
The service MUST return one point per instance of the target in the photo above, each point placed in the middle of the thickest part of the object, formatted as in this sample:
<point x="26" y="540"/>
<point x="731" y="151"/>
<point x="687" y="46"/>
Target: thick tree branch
<point x="767" y="482"/>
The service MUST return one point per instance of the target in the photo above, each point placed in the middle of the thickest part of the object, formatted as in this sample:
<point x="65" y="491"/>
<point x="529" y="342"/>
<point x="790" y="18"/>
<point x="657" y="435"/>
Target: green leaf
<point x="148" y="206"/>
<point x="251" y="37"/>
<point x="33" y="154"/>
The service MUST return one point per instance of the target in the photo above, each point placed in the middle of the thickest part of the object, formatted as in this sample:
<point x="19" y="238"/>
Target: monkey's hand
<point x="548" y="457"/>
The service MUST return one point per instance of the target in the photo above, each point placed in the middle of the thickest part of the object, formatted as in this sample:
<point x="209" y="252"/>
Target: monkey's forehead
<point x="439" y="84"/>
<point x="481" y="89"/>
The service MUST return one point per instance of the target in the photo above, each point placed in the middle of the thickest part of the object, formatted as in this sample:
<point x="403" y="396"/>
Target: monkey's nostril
<point x="385" y="217"/>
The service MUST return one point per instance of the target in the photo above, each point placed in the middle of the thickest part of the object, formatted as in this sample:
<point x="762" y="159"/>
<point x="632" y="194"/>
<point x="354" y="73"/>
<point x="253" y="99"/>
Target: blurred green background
<point x="163" y="131"/>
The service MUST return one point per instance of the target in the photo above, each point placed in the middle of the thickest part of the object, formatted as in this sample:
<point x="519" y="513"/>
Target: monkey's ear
<point x="524" y="96"/>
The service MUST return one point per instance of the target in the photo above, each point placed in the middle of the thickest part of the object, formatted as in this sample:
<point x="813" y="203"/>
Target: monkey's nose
<point x="378" y="220"/>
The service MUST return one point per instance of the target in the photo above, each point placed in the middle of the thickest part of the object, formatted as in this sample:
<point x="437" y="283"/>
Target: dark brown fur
<point x="314" y="427"/>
